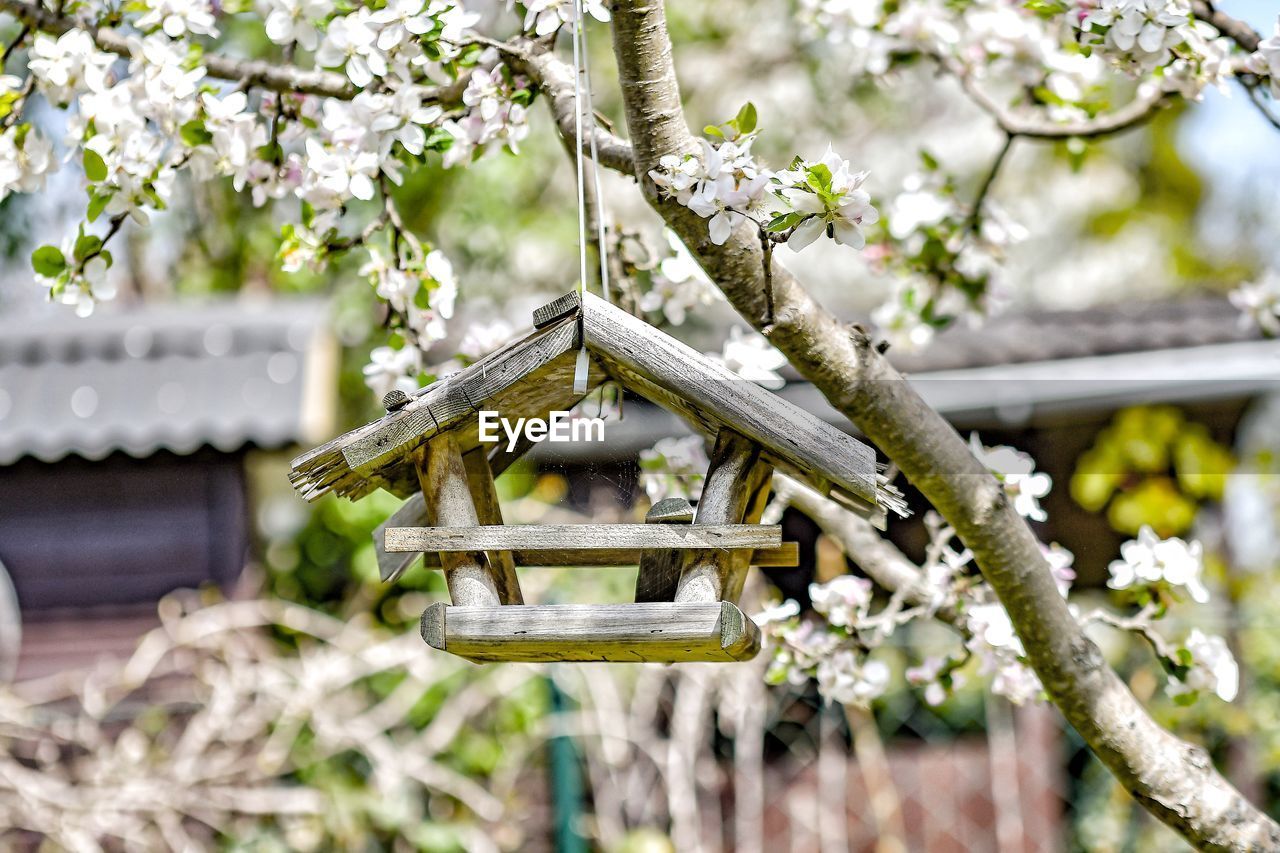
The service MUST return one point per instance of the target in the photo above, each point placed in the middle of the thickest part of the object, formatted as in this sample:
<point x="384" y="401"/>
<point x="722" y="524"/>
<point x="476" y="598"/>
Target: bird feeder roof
<point x="533" y="376"/>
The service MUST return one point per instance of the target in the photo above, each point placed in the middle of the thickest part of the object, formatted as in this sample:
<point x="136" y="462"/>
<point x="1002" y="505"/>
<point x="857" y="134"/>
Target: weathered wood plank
<point x="758" y="487"/>
<point x="453" y="399"/>
<point x="564" y="306"/>
<point x="660" y="570"/>
<point x="448" y="499"/>
<point x="710" y="395"/>
<point x="485" y="497"/>
<point x="786" y="555"/>
<point x="664" y="632"/>
<point x="732" y="483"/>
<point x="548" y="537"/>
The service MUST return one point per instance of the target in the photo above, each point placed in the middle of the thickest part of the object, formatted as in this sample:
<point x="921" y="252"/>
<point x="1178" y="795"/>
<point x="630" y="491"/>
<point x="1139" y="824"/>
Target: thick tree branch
<point x="1174" y="780"/>
<point x="555" y="78"/>
<point x="277" y="77"/>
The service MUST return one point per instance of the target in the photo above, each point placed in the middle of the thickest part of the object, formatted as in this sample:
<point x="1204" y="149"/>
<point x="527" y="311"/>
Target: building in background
<point x="122" y="443"/>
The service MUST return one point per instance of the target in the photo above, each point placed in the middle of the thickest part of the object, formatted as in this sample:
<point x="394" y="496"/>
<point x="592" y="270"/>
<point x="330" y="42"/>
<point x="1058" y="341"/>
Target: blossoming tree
<point x="353" y="97"/>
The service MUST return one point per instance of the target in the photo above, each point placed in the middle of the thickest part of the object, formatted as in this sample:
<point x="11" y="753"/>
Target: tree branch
<point x="1137" y="111"/>
<point x="555" y="78"/>
<point x="879" y="558"/>
<point x="277" y="77"/>
<point x="1174" y="780"/>
<point x="1238" y="31"/>
<point x="980" y="198"/>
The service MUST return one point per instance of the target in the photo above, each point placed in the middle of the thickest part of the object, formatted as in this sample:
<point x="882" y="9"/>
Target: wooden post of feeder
<point x="736" y="485"/>
<point x="447" y="494"/>
<point x="659" y="572"/>
<point x="485" y="496"/>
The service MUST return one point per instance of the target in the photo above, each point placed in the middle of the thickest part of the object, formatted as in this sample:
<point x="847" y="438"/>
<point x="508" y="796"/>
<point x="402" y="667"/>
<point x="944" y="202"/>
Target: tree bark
<point x="1174" y="780"/>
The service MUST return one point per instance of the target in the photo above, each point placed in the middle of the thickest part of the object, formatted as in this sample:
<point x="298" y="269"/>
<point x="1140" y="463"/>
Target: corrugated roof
<point x="173" y="376"/>
<point x="1018" y="338"/>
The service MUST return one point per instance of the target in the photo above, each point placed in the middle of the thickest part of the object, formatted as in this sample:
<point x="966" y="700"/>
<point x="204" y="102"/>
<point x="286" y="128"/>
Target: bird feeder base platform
<point x="654" y="632"/>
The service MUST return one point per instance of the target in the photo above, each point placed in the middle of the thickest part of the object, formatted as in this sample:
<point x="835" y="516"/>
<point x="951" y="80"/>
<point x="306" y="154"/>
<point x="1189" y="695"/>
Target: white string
<point x="583" y="363"/>
<point x="595" y="173"/>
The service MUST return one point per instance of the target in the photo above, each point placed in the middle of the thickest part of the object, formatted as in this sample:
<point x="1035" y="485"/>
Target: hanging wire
<point x="595" y="170"/>
<point x="583" y="364"/>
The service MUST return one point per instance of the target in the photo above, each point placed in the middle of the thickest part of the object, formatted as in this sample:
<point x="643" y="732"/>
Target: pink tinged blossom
<point x="844" y="600"/>
<point x="849" y="679"/>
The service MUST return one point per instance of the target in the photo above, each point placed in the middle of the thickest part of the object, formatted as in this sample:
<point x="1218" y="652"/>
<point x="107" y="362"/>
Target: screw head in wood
<point x="395" y="400"/>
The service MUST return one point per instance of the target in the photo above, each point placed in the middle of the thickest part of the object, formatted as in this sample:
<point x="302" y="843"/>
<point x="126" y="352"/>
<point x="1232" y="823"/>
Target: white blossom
<point x="1016" y="471"/>
<point x="839" y="210"/>
<point x="295" y="21"/>
<point x="1259" y="301"/>
<point x="543" y="17"/>
<point x="1266" y="60"/>
<point x="26" y="159"/>
<point x="674" y="467"/>
<point x="927" y="675"/>
<point x="393" y="368"/>
<point x="918" y="206"/>
<point x="1061" y="566"/>
<point x="178" y="17"/>
<point x="851" y="679"/>
<point x="401" y="21"/>
<point x="335" y="174"/>
<point x="351" y="41"/>
<point x="1150" y="560"/>
<point x="305" y="248"/>
<point x="69" y="64"/>
<point x="483" y="338"/>
<point x="236" y="137"/>
<point x="679" y="284"/>
<point x="1000" y="651"/>
<point x="751" y="356"/>
<point x="492" y="116"/>
<point x="724" y="185"/>
<point x="1213" y="668"/>
<point x="844" y="600"/>
<point x="777" y="612"/>
<point x="1138" y="33"/>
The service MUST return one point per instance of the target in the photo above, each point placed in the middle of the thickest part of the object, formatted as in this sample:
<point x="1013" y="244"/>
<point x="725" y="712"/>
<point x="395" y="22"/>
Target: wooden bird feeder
<point x="692" y="559"/>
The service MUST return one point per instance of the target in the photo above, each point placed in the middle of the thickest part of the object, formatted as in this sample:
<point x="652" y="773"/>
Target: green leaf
<point x="48" y="261"/>
<point x="929" y="162"/>
<point x="97" y="203"/>
<point x="95" y="169"/>
<point x="712" y="130"/>
<point x="783" y="221"/>
<point x="746" y="118"/>
<point x="87" y="245"/>
<point x="194" y="133"/>
<point x="819" y="177"/>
